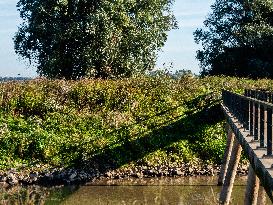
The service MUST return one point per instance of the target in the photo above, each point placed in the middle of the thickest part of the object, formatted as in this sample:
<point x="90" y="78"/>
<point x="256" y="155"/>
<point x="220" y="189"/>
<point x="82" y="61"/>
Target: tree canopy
<point x="237" y="39"/>
<point x="92" y="38"/>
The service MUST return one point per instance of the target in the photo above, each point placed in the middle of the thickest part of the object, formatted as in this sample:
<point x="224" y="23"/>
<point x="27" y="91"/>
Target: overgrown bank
<point x="102" y="125"/>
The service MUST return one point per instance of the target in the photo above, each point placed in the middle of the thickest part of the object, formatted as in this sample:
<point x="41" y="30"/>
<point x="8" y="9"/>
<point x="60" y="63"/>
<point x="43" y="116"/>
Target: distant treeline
<point x="237" y="39"/>
<point x="5" y="79"/>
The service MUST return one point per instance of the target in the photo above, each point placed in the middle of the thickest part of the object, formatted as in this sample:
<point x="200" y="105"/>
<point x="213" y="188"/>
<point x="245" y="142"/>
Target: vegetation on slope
<point x="111" y="123"/>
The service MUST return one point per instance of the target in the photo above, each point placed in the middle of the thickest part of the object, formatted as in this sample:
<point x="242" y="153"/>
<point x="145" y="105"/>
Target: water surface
<point x="178" y="191"/>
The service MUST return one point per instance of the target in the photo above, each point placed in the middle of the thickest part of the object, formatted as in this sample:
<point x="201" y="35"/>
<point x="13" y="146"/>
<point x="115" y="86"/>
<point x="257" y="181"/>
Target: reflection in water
<point x="34" y="195"/>
<point x="199" y="190"/>
<point x="178" y="191"/>
<point x="144" y="195"/>
<point x="21" y="195"/>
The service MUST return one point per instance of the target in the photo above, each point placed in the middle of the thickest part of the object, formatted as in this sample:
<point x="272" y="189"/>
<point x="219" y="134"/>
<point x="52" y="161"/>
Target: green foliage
<point x="82" y="38"/>
<point x="144" y="120"/>
<point x="237" y="39"/>
<point x="211" y="143"/>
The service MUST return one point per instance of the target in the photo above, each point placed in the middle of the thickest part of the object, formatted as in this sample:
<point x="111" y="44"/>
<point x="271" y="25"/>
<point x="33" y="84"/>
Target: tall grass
<point x="144" y="120"/>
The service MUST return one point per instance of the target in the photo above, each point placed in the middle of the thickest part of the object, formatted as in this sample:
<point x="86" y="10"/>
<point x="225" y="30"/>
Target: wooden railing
<point x="254" y="112"/>
<point x="249" y="120"/>
<point x="266" y="96"/>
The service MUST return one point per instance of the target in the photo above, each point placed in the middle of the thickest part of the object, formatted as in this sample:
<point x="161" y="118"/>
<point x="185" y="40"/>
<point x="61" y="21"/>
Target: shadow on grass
<point x="127" y="150"/>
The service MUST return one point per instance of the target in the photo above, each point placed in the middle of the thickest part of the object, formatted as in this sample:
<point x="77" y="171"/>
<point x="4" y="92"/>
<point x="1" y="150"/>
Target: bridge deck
<point x="250" y="128"/>
<point x="261" y="164"/>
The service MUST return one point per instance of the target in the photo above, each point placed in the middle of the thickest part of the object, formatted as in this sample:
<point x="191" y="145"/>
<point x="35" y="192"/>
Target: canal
<point x="158" y="191"/>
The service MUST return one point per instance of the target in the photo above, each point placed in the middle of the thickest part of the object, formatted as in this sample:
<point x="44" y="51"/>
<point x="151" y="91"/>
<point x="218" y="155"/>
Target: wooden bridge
<point x="249" y="119"/>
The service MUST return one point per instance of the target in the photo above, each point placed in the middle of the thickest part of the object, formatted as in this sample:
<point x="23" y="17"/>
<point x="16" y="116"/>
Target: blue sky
<point x="179" y="50"/>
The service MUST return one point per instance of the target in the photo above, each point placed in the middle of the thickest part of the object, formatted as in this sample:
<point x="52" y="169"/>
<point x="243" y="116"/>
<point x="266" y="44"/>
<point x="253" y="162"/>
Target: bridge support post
<point x="231" y="173"/>
<point x="252" y="189"/>
<point x="227" y="154"/>
<point x="261" y="196"/>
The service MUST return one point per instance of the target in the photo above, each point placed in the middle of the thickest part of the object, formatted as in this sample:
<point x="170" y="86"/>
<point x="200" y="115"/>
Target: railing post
<point x="246" y="93"/>
<point x="251" y="116"/>
<point x="252" y="189"/>
<point x="231" y="173"/>
<point x="227" y="154"/>
<point x="261" y="196"/>
<point x="262" y="122"/>
<point x="256" y="123"/>
<point x="246" y="114"/>
<point x="269" y="131"/>
<point x="266" y="97"/>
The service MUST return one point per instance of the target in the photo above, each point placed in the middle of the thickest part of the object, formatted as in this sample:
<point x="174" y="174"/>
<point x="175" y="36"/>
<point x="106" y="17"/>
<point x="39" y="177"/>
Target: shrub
<point x="114" y="122"/>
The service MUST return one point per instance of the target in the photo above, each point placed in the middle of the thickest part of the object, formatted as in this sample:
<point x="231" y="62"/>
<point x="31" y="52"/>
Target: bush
<point x="115" y="122"/>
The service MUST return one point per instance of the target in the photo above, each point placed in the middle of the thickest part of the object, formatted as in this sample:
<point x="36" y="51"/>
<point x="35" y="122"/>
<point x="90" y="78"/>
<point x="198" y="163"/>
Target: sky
<point x="178" y="53"/>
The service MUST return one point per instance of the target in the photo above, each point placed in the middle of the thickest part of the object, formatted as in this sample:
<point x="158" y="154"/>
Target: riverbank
<point x="140" y="127"/>
<point x="60" y="176"/>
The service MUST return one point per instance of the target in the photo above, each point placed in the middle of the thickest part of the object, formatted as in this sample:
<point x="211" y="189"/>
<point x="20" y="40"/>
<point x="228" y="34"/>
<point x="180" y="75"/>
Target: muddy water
<point x="177" y="191"/>
<point x="198" y="190"/>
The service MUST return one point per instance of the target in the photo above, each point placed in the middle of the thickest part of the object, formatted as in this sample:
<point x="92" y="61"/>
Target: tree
<point x="95" y="38"/>
<point x="237" y="39"/>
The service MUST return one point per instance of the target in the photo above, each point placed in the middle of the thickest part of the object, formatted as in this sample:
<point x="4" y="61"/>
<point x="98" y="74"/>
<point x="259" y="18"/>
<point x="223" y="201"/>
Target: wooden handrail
<point x="249" y="123"/>
<point x="262" y="95"/>
<point x="254" y="111"/>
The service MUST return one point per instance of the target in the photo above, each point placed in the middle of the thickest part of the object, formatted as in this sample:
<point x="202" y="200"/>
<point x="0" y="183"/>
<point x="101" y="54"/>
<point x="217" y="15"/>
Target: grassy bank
<point x="114" y="123"/>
